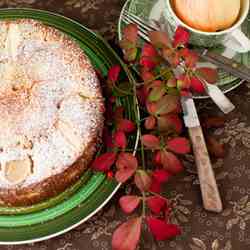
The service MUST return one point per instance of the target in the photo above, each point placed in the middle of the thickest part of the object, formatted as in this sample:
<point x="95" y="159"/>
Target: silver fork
<point x="210" y="193"/>
<point x="218" y="97"/>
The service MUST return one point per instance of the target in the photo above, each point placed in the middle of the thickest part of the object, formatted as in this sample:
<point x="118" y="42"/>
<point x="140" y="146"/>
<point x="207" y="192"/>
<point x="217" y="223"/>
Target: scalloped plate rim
<point x="195" y="97"/>
<point x="65" y="230"/>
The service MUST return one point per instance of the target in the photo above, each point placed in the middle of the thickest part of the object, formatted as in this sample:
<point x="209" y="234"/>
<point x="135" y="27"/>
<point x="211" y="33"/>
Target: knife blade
<point x="229" y="65"/>
<point x="209" y="189"/>
<point x="218" y="97"/>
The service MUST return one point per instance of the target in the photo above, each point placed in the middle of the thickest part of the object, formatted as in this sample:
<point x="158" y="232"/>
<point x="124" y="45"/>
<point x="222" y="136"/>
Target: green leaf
<point x="130" y="54"/>
<point x="172" y="91"/>
<point x="165" y="73"/>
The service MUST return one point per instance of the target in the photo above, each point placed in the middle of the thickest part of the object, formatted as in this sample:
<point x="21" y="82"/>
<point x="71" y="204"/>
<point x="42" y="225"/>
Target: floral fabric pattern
<point x="201" y="230"/>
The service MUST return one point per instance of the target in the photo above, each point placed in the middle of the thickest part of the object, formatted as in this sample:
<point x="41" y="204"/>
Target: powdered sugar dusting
<point x="49" y="96"/>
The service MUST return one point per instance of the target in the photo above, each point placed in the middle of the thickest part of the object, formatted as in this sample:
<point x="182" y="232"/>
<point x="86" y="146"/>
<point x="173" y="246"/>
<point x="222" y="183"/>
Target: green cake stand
<point x="93" y="190"/>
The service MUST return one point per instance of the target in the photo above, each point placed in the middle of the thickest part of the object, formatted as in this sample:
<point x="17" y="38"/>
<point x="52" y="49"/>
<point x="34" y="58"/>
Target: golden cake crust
<point x="51" y="112"/>
<point x="50" y="187"/>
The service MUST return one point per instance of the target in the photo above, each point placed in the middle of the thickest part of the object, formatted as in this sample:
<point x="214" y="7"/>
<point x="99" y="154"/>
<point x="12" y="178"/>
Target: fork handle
<point x="210" y="193"/>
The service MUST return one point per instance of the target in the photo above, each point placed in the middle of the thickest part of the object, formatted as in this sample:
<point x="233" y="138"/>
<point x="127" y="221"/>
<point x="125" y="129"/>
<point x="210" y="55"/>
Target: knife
<point x="216" y="94"/>
<point x="227" y="64"/>
<point x="209" y="189"/>
<point x="218" y="97"/>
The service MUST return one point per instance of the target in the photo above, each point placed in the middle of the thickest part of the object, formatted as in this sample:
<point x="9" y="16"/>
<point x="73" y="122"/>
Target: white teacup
<point x="232" y="38"/>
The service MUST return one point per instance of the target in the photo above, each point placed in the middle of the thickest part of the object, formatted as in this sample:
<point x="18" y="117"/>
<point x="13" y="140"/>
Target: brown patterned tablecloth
<point x="201" y="230"/>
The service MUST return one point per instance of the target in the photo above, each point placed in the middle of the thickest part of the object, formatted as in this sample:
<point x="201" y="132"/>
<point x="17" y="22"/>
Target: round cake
<point x="51" y="110"/>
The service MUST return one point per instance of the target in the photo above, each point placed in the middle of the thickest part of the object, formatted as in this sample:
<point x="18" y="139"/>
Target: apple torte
<point x="51" y="112"/>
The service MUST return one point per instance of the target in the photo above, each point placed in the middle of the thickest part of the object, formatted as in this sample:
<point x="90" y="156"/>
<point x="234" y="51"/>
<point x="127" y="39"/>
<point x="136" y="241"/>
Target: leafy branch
<point x="155" y="127"/>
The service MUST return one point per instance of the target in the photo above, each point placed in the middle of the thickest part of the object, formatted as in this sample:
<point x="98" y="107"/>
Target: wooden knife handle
<point x="210" y="193"/>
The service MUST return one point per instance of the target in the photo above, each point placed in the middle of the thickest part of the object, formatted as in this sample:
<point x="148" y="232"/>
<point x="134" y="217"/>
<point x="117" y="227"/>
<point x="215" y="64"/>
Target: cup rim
<point x="229" y="30"/>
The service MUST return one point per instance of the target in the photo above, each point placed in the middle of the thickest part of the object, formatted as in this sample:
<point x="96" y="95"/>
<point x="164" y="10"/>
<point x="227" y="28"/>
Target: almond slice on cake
<point x="16" y="171"/>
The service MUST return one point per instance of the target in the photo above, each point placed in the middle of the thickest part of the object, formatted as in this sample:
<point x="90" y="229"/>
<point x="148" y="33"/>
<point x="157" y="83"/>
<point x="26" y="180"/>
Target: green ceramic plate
<point x="97" y="189"/>
<point x="153" y="9"/>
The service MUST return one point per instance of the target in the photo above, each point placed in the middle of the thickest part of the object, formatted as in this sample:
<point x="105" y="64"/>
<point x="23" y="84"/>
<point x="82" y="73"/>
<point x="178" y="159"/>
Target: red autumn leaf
<point x="127" y="235"/>
<point x="214" y="122"/>
<point x="168" y="104"/>
<point x="125" y="125"/>
<point x="197" y="85"/>
<point x="157" y="93"/>
<point x="175" y="60"/>
<point x="149" y="56"/>
<point x="170" y="122"/>
<point x="113" y="73"/>
<point x="214" y="147"/>
<point x="129" y="42"/>
<point x="209" y="74"/>
<point x="159" y="39"/>
<point x="120" y="139"/>
<point x="130" y="33"/>
<point x="151" y="107"/>
<point x="147" y="62"/>
<point x="181" y="37"/>
<point x="191" y="58"/>
<point x="151" y="141"/>
<point x="172" y="56"/>
<point x="184" y="52"/>
<point x="157" y="158"/>
<point x="162" y="230"/>
<point x="142" y="180"/>
<point x="150" y="122"/>
<point x="148" y="51"/>
<point x="153" y="84"/>
<point x="161" y="175"/>
<point x="170" y="162"/>
<point x="126" y="165"/>
<point x="155" y="186"/>
<point x="179" y="145"/>
<point x="104" y="162"/>
<point x="185" y="93"/>
<point x="129" y="203"/>
<point x="156" y="204"/>
<point x="167" y="53"/>
<point x="147" y="76"/>
<point x="183" y="82"/>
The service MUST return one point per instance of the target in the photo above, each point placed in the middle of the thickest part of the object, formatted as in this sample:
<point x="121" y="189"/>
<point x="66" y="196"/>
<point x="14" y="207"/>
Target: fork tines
<point x="143" y="26"/>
